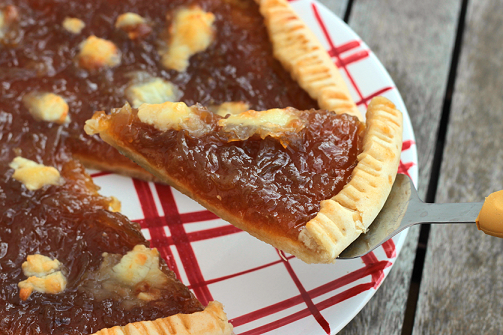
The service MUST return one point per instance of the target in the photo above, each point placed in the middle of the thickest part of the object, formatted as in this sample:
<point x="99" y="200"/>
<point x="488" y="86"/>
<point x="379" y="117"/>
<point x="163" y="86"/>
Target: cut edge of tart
<point x="212" y="321"/>
<point x="300" y="53"/>
<point x="342" y="218"/>
<point x="114" y="165"/>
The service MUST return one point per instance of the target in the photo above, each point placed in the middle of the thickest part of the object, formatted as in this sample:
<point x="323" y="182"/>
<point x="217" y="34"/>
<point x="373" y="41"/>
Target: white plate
<point x="262" y="290"/>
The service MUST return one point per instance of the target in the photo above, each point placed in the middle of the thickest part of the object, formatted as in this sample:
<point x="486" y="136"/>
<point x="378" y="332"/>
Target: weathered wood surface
<point x="462" y="286"/>
<point x="414" y="41"/>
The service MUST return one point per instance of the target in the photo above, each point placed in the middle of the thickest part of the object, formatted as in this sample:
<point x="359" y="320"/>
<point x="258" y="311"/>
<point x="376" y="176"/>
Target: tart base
<point x="211" y="321"/>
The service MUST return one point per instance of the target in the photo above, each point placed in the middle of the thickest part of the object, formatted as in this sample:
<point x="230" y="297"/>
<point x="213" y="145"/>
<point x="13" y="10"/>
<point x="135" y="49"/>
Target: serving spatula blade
<point x="403" y="209"/>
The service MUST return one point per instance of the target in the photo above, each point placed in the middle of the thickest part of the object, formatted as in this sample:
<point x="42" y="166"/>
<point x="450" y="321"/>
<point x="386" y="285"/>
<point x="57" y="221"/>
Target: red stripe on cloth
<point x="266" y="311"/>
<point x="154" y="224"/>
<point x="304" y="313"/>
<point x="373" y="95"/>
<point x="405" y="167"/>
<point x="377" y="276"/>
<point x="183" y="244"/>
<point x="212" y="233"/>
<point x="100" y="173"/>
<point x="338" y="298"/>
<point x="198" y="235"/>
<point x="407" y="144"/>
<point x="370" y="269"/>
<point x="357" y="56"/>
<point x="198" y="216"/>
<point x="344" y="48"/>
<point x="334" y="50"/>
<point x="389" y="248"/>
<point x="305" y="296"/>
<point x="237" y="274"/>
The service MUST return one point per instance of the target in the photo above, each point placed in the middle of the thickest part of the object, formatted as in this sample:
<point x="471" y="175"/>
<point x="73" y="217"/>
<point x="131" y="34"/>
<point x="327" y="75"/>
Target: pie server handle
<point x="490" y="218"/>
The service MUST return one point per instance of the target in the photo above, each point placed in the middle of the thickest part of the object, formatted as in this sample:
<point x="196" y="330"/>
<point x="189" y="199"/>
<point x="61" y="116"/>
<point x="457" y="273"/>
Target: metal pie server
<point x="404" y="209"/>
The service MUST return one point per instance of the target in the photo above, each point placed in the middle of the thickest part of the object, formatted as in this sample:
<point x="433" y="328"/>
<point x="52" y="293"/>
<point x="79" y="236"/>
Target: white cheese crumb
<point x="51" y="284"/>
<point x="128" y="19"/>
<point x="191" y="32"/>
<point x="147" y="296"/>
<point x="39" y="266"/>
<point x="96" y="53"/>
<point x="47" y="107"/>
<point x="154" y="91"/>
<point x="172" y="115"/>
<point x="140" y="264"/>
<point x="230" y="108"/>
<point x="73" y="25"/>
<point x="42" y="276"/>
<point x="34" y="176"/>
<point x="133" y="24"/>
<point x="273" y="122"/>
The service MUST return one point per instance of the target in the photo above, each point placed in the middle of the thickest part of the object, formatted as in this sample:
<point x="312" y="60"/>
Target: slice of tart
<point x="307" y="182"/>
<point x="70" y="265"/>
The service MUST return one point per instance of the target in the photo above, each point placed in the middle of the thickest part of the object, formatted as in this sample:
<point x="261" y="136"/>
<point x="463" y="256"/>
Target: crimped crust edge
<point x="345" y="216"/>
<point x="300" y="53"/>
<point x="211" y="321"/>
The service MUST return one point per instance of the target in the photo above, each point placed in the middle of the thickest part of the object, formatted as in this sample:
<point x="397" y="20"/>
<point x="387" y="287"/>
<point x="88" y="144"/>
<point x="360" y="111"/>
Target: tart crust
<point x="211" y="321"/>
<point x="342" y="218"/>
<point x="300" y="53"/>
<point x="348" y="214"/>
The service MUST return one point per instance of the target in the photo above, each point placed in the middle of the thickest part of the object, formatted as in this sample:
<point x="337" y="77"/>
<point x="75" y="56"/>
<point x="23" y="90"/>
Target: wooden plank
<point x="413" y="40"/>
<point x="462" y="290"/>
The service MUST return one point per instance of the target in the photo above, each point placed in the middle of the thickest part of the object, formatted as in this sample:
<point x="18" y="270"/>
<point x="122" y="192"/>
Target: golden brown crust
<point x="348" y="214"/>
<point x="211" y="321"/>
<point x="342" y="218"/>
<point x="298" y="50"/>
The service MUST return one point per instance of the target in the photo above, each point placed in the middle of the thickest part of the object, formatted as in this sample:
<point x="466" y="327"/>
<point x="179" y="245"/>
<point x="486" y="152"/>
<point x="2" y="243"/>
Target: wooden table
<point x="446" y="58"/>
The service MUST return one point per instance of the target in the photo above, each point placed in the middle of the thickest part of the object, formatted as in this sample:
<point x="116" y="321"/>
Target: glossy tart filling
<point x="63" y="253"/>
<point x="270" y="168"/>
<point x="88" y="55"/>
